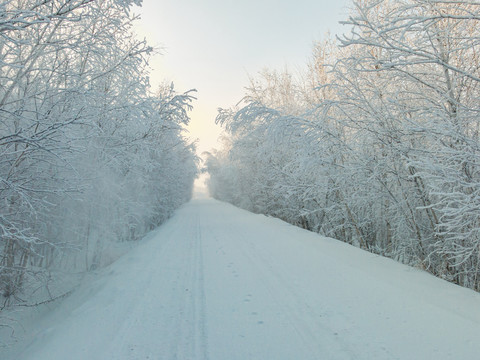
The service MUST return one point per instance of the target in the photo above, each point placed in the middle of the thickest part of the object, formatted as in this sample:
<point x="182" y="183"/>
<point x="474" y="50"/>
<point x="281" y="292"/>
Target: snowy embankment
<point x="216" y="282"/>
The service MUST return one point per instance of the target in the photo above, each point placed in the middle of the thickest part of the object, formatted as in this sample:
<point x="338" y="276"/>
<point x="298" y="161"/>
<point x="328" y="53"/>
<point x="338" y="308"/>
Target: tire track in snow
<point x="190" y="339"/>
<point x="201" y="341"/>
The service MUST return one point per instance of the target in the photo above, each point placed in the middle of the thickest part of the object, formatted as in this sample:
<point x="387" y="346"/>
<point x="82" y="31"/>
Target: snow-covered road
<point x="216" y="282"/>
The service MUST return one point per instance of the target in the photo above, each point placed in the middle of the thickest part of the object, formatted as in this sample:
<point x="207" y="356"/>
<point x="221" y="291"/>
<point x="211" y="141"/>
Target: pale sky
<point x="214" y="45"/>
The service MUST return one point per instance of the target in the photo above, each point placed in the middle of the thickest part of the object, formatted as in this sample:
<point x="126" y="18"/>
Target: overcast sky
<point x="213" y="45"/>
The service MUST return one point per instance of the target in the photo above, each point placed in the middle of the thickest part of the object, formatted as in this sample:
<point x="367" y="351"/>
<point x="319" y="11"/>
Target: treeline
<point x="377" y="143"/>
<point x="89" y="155"/>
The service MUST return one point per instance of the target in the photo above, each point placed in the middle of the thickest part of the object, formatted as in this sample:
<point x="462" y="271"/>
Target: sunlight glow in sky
<point x="214" y="45"/>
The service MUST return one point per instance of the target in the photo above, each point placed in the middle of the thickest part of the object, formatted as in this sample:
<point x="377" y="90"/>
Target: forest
<point x="376" y="143"/>
<point x="90" y="155"/>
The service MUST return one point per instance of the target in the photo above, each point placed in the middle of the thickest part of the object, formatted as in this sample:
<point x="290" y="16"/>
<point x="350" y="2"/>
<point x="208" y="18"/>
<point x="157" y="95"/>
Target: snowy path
<point x="216" y="282"/>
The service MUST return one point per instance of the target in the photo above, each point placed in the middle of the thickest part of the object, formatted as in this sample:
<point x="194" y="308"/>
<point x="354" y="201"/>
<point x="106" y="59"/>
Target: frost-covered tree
<point x="378" y="144"/>
<point x="422" y="58"/>
<point x="88" y="154"/>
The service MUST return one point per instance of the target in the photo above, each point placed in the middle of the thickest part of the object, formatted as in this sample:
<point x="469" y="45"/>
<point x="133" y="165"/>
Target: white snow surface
<point x="217" y="282"/>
